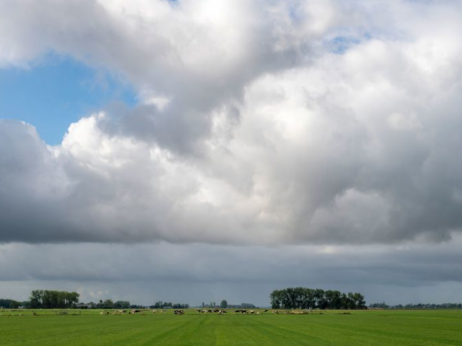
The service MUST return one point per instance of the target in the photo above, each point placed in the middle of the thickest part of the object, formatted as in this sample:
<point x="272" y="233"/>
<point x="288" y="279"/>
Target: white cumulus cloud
<point x="259" y="122"/>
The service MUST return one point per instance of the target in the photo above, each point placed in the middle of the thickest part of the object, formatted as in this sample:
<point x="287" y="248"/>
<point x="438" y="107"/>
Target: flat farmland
<point x="355" y="328"/>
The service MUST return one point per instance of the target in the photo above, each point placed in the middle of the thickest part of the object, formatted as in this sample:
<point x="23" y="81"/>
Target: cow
<point x="178" y="312"/>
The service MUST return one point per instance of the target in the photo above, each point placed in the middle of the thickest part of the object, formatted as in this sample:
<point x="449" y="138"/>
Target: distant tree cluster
<point x="416" y="306"/>
<point x="169" y="305"/>
<point x="247" y="306"/>
<point x="122" y="304"/>
<point x="10" y="304"/>
<point x="242" y="306"/>
<point x="382" y="305"/>
<point x="43" y="299"/>
<point x="225" y="305"/>
<point x="307" y="298"/>
<point x="107" y="304"/>
<point x="429" y="306"/>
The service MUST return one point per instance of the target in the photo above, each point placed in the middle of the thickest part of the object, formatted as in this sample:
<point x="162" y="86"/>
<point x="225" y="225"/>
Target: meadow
<point x="355" y="328"/>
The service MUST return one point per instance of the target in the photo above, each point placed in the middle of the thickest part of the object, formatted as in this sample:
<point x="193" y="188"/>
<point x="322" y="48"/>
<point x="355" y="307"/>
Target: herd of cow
<point x="182" y="312"/>
<point x="121" y="312"/>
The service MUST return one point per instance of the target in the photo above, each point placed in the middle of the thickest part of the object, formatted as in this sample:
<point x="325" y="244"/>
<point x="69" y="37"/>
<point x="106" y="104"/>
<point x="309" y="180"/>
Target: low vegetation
<point x="146" y="327"/>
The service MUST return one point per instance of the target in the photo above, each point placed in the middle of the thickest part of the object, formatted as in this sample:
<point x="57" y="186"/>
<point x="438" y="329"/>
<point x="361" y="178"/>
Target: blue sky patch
<point x="341" y="44"/>
<point x="57" y="91"/>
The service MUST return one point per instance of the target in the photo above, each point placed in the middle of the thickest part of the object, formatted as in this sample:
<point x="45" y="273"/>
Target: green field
<point x="420" y="328"/>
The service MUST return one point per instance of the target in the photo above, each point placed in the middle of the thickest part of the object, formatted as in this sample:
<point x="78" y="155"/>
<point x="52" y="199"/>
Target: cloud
<point x="198" y="53"/>
<point x="145" y="273"/>
<point x="269" y="135"/>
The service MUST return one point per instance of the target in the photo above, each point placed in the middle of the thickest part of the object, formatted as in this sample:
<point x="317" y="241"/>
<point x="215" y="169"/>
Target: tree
<point x="223" y="304"/>
<point x="9" y="304"/>
<point x="275" y="299"/>
<point x="247" y="306"/>
<point x="307" y="298"/>
<point x="121" y="304"/>
<point x="359" y="301"/>
<point x="53" y="299"/>
<point x="36" y="299"/>
<point x="108" y="304"/>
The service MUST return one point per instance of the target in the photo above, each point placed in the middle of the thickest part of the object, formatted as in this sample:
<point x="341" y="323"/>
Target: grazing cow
<point x="178" y="312"/>
<point x="104" y="313"/>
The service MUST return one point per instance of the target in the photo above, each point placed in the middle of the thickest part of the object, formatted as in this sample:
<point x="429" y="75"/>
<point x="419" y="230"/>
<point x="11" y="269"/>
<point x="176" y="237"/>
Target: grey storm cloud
<point x="258" y="123"/>
<point x="145" y="273"/>
<point x="299" y="265"/>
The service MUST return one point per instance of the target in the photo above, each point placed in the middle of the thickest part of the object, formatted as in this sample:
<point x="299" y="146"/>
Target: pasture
<point x="356" y="328"/>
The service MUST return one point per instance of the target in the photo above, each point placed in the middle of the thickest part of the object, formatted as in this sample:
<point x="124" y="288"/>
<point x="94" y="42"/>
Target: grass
<point x="420" y="328"/>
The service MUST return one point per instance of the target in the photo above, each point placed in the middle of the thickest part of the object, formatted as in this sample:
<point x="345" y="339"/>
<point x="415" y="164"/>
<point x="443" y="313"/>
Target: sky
<point x="199" y="150"/>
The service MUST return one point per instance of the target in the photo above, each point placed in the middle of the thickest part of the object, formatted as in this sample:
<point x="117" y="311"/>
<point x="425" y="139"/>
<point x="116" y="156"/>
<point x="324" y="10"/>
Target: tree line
<point x="10" y="304"/>
<point x="307" y="298"/>
<point x="44" y="299"/>
<point x="168" y="305"/>
<point x="384" y="305"/>
<point x="106" y="304"/>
